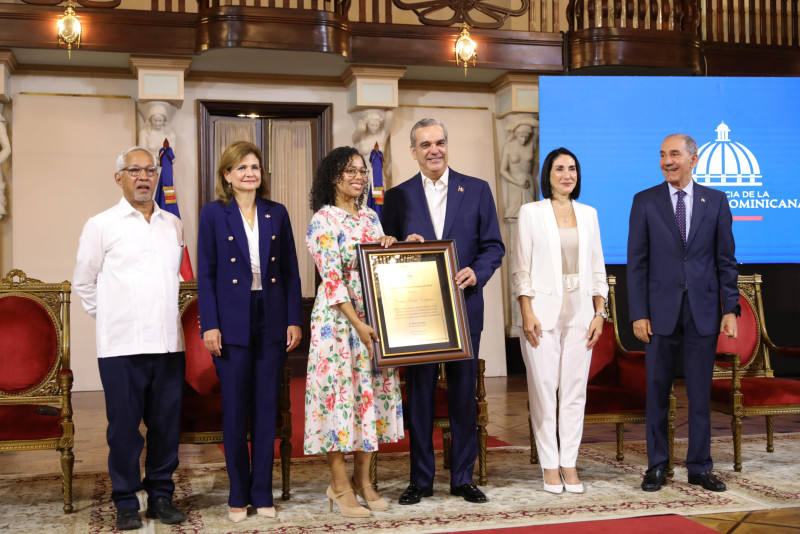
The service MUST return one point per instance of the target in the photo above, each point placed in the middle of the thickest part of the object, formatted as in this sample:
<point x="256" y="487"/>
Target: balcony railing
<point x="757" y="22"/>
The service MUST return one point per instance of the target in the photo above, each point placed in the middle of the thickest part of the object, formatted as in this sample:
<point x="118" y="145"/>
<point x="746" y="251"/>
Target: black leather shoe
<point x="413" y="494"/>
<point x="164" y="511"/>
<point x="653" y="479"/>
<point x="708" y="481"/>
<point x="470" y="492"/>
<point x="128" y="520"/>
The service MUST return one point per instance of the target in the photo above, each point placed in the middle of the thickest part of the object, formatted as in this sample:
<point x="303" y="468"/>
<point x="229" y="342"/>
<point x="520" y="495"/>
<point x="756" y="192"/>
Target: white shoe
<point x="553" y="488"/>
<point x="571" y="488"/>
<point x="265" y="511"/>
<point x="237" y="517"/>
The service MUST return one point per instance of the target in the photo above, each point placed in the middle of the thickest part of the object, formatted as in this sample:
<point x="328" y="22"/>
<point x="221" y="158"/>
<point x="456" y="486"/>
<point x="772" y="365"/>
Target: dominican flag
<point x="375" y="195"/>
<point x="165" y="198"/>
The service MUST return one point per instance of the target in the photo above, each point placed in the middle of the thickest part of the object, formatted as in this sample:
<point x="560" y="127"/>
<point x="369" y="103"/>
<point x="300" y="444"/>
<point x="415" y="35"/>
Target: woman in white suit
<point x="559" y="280"/>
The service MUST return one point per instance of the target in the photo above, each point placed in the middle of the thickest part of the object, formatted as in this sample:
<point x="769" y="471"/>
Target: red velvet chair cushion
<point x="200" y="372"/>
<point x="600" y="399"/>
<point x="745" y="343"/>
<point x="760" y="391"/>
<point x="29" y="341"/>
<point x="19" y="422"/>
<point x="603" y="352"/>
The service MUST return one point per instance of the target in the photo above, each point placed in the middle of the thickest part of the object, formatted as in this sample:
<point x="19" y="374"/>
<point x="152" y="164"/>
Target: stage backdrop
<point x="747" y="130"/>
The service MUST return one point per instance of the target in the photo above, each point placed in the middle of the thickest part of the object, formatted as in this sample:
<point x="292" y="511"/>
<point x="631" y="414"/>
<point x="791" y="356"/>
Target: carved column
<point x="372" y="94"/>
<point x="518" y="120"/>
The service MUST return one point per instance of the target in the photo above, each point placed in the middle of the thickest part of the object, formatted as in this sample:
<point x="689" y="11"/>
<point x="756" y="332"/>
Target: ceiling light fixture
<point x="69" y="29"/>
<point x="465" y="49"/>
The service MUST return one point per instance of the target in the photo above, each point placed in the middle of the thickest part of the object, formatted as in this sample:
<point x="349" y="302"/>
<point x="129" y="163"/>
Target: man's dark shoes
<point x="470" y="492"/>
<point x="653" y="479"/>
<point x="128" y="520"/>
<point x="708" y="481"/>
<point x="164" y="511"/>
<point x="413" y="494"/>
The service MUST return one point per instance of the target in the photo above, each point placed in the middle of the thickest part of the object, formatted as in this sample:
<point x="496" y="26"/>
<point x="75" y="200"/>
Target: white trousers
<point x="558" y="370"/>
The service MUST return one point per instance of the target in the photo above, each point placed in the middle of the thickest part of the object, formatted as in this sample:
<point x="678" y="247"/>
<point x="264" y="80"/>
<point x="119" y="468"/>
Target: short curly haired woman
<point x="350" y="407"/>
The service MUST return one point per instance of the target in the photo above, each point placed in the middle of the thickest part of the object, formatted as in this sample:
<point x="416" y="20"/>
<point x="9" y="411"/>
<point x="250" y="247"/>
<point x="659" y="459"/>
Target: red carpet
<point x="657" y="524"/>
<point x="298" y="391"/>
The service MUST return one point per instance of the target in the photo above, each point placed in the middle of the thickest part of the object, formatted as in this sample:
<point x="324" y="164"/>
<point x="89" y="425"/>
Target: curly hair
<point x="233" y="154"/>
<point x="329" y="173"/>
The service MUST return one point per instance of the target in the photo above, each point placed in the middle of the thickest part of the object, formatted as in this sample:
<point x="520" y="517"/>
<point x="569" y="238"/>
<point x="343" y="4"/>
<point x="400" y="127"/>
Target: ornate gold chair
<point x="201" y="415"/>
<point x="35" y="378"/>
<point x="616" y="391"/>
<point x="744" y="383"/>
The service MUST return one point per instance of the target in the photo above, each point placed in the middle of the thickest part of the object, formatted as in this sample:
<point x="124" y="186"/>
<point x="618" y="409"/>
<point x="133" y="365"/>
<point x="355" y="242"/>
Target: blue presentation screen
<point x="747" y="131"/>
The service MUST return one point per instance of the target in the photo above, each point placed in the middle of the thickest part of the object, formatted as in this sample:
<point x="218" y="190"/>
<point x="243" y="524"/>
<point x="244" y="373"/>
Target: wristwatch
<point x="601" y="314"/>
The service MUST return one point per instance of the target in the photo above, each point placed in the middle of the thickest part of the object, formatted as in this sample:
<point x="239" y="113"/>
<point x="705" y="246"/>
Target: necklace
<point x="246" y="218"/>
<point x="565" y="216"/>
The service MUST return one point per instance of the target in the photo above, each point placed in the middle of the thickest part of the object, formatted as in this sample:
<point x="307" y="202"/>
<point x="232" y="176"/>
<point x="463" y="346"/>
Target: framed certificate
<point x="413" y="303"/>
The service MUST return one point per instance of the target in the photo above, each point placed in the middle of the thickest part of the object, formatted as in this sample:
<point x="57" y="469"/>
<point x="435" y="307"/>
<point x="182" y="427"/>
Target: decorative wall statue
<point x="518" y="165"/>
<point x="372" y="126"/>
<point x="5" y="152"/>
<point x="155" y="128"/>
<point x="371" y="139"/>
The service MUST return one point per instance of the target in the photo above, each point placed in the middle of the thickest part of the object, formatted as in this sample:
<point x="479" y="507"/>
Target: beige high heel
<point x="266" y="511"/>
<point x="346" y="511"/>
<point x="376" y="506"/>
<point x="237" y="517"/>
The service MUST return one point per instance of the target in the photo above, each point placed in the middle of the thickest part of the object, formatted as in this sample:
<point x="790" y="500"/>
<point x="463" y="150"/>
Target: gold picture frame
<point x="413" y="303"/>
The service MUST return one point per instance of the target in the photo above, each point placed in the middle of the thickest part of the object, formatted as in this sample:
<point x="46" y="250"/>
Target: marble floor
<point x="508" y="422"/>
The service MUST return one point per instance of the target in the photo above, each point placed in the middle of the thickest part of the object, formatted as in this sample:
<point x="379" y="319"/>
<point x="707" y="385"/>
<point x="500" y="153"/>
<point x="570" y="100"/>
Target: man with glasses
<point x="440" y="203"/>
<point x="129" y="258"/>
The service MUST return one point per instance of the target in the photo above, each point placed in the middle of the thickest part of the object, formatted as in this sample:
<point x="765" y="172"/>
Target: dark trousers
<point x="250" y="378"/>
<point x="145" y="387"/>
<point x="420" y="391"/>
<point x="698" y="363"/>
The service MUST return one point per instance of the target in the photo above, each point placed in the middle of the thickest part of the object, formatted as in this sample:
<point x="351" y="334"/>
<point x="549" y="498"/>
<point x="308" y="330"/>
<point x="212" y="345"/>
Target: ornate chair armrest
<point x="788" y="352"/>
<point x="732" y="358"/>
<point x="634" y="356"/>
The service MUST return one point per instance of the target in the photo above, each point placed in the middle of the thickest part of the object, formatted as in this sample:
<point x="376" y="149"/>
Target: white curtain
<point x="290" y="150"/>
<point x="226" y="131"/>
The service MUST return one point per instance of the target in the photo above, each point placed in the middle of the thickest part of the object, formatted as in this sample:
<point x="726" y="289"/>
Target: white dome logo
<point x="726" y="163"/>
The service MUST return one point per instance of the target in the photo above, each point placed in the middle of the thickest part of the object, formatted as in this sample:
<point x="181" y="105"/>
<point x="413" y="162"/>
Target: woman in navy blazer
<point x="249" y="298"/>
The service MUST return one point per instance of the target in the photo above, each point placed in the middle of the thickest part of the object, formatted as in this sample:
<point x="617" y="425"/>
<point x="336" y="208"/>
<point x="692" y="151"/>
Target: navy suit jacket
<point x="224" y="276"/>
<point x="470" y="219"/>
<point x="658" y="264"/>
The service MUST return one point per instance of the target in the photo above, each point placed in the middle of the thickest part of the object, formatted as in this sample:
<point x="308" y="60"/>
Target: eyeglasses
<point x="351" y="172"/>
<point x="136" y="171"/>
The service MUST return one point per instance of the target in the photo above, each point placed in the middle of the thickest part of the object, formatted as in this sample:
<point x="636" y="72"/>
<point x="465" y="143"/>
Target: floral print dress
<point x="349" y="406"/>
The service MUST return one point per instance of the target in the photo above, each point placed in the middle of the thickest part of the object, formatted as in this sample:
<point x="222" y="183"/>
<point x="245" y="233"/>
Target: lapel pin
<point x="702" y="199"/>
<point x="267" y="216"/>
<point x="460" y="189"/>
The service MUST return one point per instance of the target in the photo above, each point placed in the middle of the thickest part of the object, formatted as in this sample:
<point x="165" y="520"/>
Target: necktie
<point x="680" y="215"/>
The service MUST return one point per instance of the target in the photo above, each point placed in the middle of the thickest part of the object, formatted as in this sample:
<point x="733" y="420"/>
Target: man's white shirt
<point x="436" y="194"/>
<point x="127" y="277"/>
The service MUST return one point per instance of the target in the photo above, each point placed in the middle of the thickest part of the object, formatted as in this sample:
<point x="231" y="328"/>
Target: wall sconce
<point x="465" y="48"/>
<point x="69" y="29"/>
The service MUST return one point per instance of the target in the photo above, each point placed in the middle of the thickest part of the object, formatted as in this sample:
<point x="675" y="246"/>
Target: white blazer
<point x="536" y="265"/>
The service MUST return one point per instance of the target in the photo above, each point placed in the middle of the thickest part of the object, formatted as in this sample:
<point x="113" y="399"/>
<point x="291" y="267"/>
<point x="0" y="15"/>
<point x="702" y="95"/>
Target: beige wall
<point x="64" y="150"/>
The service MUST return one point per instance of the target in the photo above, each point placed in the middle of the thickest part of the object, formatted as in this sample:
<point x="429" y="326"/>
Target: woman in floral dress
<point x="350" y="407"/>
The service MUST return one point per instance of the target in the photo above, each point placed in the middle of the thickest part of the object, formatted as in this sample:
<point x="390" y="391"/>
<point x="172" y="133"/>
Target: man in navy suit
<point x="439" y="203"/>
<point x="682" y="291"/>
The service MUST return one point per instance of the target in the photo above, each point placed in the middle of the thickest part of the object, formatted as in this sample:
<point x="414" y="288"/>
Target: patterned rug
<point x="33" y="503"/>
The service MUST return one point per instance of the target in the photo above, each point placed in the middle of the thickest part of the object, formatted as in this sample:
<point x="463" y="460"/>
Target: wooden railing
<point x="755" y="22"/>
<point x="761" y="22"/>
